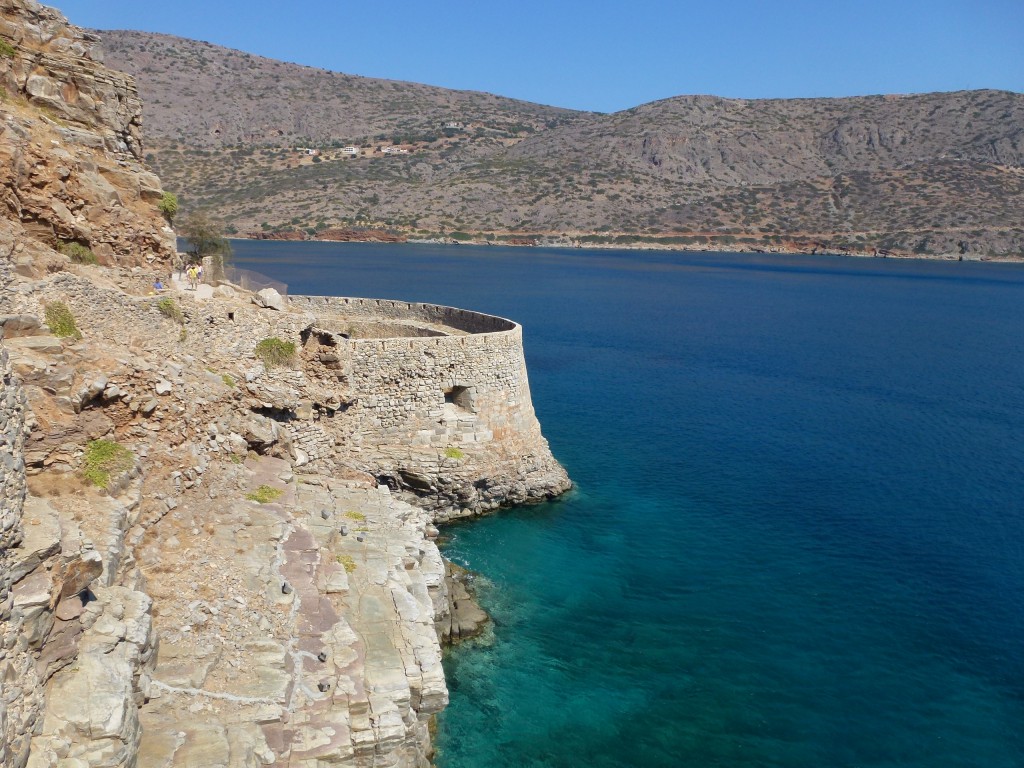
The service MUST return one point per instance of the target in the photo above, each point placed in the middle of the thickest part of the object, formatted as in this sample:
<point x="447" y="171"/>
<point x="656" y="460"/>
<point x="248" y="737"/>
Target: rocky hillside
<point x="930" y="174"/>
<point x="237" y="99"/>
<point x="71" y="171"/>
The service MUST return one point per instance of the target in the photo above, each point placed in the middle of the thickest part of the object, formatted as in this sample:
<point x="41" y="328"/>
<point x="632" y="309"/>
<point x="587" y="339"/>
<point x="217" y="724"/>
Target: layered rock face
<point x="21" y="701"/>
<point x="70" y="148"/>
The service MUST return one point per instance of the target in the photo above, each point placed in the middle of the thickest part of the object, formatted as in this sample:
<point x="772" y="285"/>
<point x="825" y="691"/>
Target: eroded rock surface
<point x="71" y="167"/>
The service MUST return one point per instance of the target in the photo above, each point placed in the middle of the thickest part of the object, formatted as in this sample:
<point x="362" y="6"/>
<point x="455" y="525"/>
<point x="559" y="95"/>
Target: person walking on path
<point x="193" y="277"/>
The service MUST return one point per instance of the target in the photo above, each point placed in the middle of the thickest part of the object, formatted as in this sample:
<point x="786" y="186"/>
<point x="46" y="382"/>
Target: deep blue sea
<point x="797" y="537"/>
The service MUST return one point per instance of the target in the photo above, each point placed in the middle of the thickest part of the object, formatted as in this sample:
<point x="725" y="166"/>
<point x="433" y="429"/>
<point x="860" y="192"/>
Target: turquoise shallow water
<point x="797" y="537"/>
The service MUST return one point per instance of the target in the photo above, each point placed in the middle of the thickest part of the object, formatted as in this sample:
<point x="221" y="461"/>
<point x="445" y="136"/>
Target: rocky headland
<point x="215" y="552"/>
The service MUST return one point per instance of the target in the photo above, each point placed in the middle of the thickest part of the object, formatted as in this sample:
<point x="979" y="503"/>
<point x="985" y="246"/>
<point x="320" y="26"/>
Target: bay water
<point x="797" y="533"/>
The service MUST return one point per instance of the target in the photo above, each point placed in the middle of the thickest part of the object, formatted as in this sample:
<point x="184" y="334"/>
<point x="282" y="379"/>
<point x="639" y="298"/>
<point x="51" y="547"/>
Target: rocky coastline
<point x="268" y="581"/>
<point x="208" y="556"/>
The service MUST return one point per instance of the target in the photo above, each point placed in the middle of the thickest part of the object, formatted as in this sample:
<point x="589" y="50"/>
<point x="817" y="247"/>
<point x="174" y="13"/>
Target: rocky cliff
<point x="225" y="561"/>
<point x="71" y="166"/>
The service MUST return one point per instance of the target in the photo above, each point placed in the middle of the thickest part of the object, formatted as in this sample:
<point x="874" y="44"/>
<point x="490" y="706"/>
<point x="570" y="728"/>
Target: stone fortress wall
<point x="465" y="384"/>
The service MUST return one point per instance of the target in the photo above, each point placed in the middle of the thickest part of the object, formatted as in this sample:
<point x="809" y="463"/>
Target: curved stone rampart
<point x="341" y="307"/>
<point x="449" y="416"/>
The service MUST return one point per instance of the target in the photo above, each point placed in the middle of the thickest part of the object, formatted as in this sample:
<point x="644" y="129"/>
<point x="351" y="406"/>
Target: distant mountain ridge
<point x="927" y="174"/>
<point x="240" y="98"/>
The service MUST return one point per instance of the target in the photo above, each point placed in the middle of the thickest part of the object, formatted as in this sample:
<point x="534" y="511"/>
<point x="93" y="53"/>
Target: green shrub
<point x="169" y="308"/>
<point x="454" y="453"/>
<point x="104" y="458"/>
<point x="60" y="321"/>
<point x="78" y="253"/>
<point x="275" y="351"/>
<point x="168" y="206"/>
<point x="265" y="494"/>
<point x="6" y="49"/>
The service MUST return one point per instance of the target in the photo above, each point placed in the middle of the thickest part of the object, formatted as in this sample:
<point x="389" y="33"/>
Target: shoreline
<point x="529" y="242"/>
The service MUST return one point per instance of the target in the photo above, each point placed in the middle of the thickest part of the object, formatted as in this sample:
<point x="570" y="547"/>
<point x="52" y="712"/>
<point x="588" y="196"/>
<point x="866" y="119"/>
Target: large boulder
<point x="269" y="299"/>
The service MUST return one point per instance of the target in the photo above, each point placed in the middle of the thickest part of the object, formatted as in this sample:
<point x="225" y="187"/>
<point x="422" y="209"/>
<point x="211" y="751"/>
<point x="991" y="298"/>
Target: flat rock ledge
<point x="465" y="619"/>
<point x="305" y="645"/>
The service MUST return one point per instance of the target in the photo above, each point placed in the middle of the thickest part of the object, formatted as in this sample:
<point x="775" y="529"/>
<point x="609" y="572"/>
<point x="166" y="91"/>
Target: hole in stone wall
<point x="231" y="316"/>
<point x="461" y="397"/>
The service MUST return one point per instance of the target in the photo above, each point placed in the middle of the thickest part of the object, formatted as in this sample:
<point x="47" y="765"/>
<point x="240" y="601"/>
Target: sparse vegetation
<point x="78" y="253"/>
<point x="275" y="352"/>
<point x="347" y="562"/>
<point x="7" y="50"/>
<point x="265" y="494"/>
<point x="353" y="515"/>
<point x="168" y="206"/>
<point x="452" y="452"/>
<point x="61" y="321"/>
<point x="104" y="458"/>
<point x="169" y="308"/>
<point x="228" y="381"/>
<point x="583" y="173"/>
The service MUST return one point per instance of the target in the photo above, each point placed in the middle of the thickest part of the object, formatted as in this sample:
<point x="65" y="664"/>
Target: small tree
<point x="206" y="239"/>
<point x="168" y="206"/>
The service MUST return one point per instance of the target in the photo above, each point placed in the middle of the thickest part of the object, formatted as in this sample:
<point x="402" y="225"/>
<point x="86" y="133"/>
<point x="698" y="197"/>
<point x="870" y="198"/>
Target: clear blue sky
<point x="608" y="56"/>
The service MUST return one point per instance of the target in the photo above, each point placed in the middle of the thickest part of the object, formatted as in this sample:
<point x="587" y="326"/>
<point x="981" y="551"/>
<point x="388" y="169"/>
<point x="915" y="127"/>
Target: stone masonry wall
<point x="447" y="417"/>
<point x="347" y="308"/>
<point x="434" y="391"/>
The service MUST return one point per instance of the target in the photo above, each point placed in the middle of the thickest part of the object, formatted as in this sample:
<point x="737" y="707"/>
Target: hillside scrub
<point x="78" y="253"/>
<point x="265" y="494"/>
<point x="168" y="206"/>
<point x="275" y="352"/>
<point x="104" y="458"/>
<point x="61" y="321"/>
<point x="169" y="308"/>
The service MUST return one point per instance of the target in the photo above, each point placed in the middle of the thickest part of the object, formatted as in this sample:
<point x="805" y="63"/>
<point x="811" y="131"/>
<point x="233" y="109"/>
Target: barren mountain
<point x="205" y="96"/>
<point x="931" y="174"/>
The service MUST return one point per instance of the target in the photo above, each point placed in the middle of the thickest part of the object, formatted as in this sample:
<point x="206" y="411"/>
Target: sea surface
<point x="797" y="536"/>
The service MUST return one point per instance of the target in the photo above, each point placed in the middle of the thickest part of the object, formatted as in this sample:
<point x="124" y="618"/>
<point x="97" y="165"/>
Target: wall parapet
<point x="464" y="320"/>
